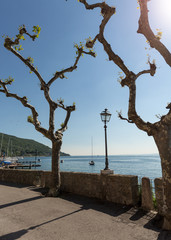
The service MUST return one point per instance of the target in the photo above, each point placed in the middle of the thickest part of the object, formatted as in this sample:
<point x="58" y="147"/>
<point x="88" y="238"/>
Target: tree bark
<point x="163" y="143"/>
<point x="56" y="179"/>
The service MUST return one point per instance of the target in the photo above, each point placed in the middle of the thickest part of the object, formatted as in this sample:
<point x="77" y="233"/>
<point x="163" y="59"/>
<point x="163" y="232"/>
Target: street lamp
<point x="105" y="117"/>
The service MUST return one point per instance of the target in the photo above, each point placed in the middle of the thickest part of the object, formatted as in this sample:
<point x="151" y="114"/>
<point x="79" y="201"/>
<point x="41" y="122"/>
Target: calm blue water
<point x="140" y="165"/>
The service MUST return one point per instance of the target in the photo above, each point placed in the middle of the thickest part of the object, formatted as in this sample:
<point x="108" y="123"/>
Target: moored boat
<point x="91" y="162"/>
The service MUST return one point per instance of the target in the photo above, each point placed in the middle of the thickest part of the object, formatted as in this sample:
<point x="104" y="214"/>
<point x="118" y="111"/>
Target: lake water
<point x="140" y="165"/>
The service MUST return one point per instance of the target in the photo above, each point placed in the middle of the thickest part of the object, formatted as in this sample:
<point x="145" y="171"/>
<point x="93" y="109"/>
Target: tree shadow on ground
<point x="42" y="190"/>
<point x="14" y="235"/>
<point x="23" y="200"/>
<point x="19" y="202"/>
<point x="127" y="214"/>
<point x="89" y="203"/>
<point x="96" y="204"/>
<point x="20" y="233"/>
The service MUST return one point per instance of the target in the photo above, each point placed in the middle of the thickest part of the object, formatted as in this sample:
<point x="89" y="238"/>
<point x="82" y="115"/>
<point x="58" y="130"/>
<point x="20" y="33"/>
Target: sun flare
<point x="164" y="7"/>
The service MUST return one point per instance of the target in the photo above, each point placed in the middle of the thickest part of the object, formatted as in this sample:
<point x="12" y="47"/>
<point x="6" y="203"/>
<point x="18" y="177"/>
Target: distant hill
<point x="14" y="146"/>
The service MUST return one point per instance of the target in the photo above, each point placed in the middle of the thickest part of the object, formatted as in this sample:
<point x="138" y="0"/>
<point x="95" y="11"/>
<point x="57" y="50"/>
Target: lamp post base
<point x="108" y="171"/>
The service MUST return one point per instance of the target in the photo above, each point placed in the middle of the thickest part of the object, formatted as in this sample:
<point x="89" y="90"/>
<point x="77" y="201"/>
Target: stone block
<point x="147" y="198"/>
<point x="159" y="194"/>
<point x="122" y="189"/>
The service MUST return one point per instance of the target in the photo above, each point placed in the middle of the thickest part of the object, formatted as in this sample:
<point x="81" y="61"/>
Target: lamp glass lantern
<point x="105" y="116"/>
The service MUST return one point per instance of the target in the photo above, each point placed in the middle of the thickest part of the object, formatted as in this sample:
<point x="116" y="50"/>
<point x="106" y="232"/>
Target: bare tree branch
<point x="142" y="72"/>
<point x="45" y="87"/>
<point x="8" y="44"/>
<point x="60" y="74"/>
<point x="92" y="6"/>
<point x="107" y="13"/>
<point x="131" y="77"/>
<point x="27" y="63"/>
<point x="25" y="103"/>
<point x="145" y="29"/>
<point x="69" y="109"/>
<point x="122" y="118"/>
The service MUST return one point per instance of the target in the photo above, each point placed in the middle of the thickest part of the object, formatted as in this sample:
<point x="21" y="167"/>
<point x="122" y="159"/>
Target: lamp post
<point x="105" y="117"/>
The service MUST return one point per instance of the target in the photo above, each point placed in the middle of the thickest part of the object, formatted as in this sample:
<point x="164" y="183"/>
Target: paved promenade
<point x="26" y="215"/>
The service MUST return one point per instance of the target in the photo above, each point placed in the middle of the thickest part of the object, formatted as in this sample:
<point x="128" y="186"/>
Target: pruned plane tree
<point x="158" y="130"/>
<point x="54" y="135"/>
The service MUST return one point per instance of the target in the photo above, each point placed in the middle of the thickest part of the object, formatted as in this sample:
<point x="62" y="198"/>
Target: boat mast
<point x="8" y="147"/>
<point x="11" y="148"/>
<point x="92" y="148"/>
<point x="1" y="144"/>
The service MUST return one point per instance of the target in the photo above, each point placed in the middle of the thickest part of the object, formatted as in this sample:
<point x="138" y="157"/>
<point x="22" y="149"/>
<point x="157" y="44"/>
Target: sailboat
<point x="5" y="159"/>
<point x="91" y="162"/>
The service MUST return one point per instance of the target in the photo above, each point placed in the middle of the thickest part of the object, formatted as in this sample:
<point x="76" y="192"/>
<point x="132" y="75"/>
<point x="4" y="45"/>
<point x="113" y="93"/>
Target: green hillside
<point x="14" y="146"/>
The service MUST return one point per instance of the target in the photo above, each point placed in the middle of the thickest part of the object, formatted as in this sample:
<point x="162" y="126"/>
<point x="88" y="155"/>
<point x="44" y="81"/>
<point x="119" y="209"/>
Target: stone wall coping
<point x="82" y="173"/>
<point x="121" y="175"/>
<point x="21" y="170"/>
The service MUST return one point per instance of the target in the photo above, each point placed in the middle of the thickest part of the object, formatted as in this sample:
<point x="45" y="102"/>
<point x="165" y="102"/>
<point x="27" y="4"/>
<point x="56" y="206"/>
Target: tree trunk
<point x="163" y="143"/>
<point x="56" y="180"/>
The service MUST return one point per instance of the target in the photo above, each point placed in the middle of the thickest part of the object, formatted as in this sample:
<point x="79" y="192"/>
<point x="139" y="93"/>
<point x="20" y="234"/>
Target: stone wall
<point x="159" y="194"/>
<point x="122" y="189"/>
<point x="86" y="184"/>
<point x="19" y="176"/>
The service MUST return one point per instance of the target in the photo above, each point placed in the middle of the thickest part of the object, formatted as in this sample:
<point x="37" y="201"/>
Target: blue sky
<point x="93" y="86"/>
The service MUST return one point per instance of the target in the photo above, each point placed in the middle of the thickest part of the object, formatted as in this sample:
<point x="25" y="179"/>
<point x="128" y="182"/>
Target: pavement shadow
<point x="20" y="233"/>
<point x="164" y="235"/>
<point x="14" y="235"/>
<point x="96" y="204"/>
<point x="19" y="202"/>
<point x="149" y="220"/>
<point x="139" y="213"/>
<point x="156" y="225"/>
